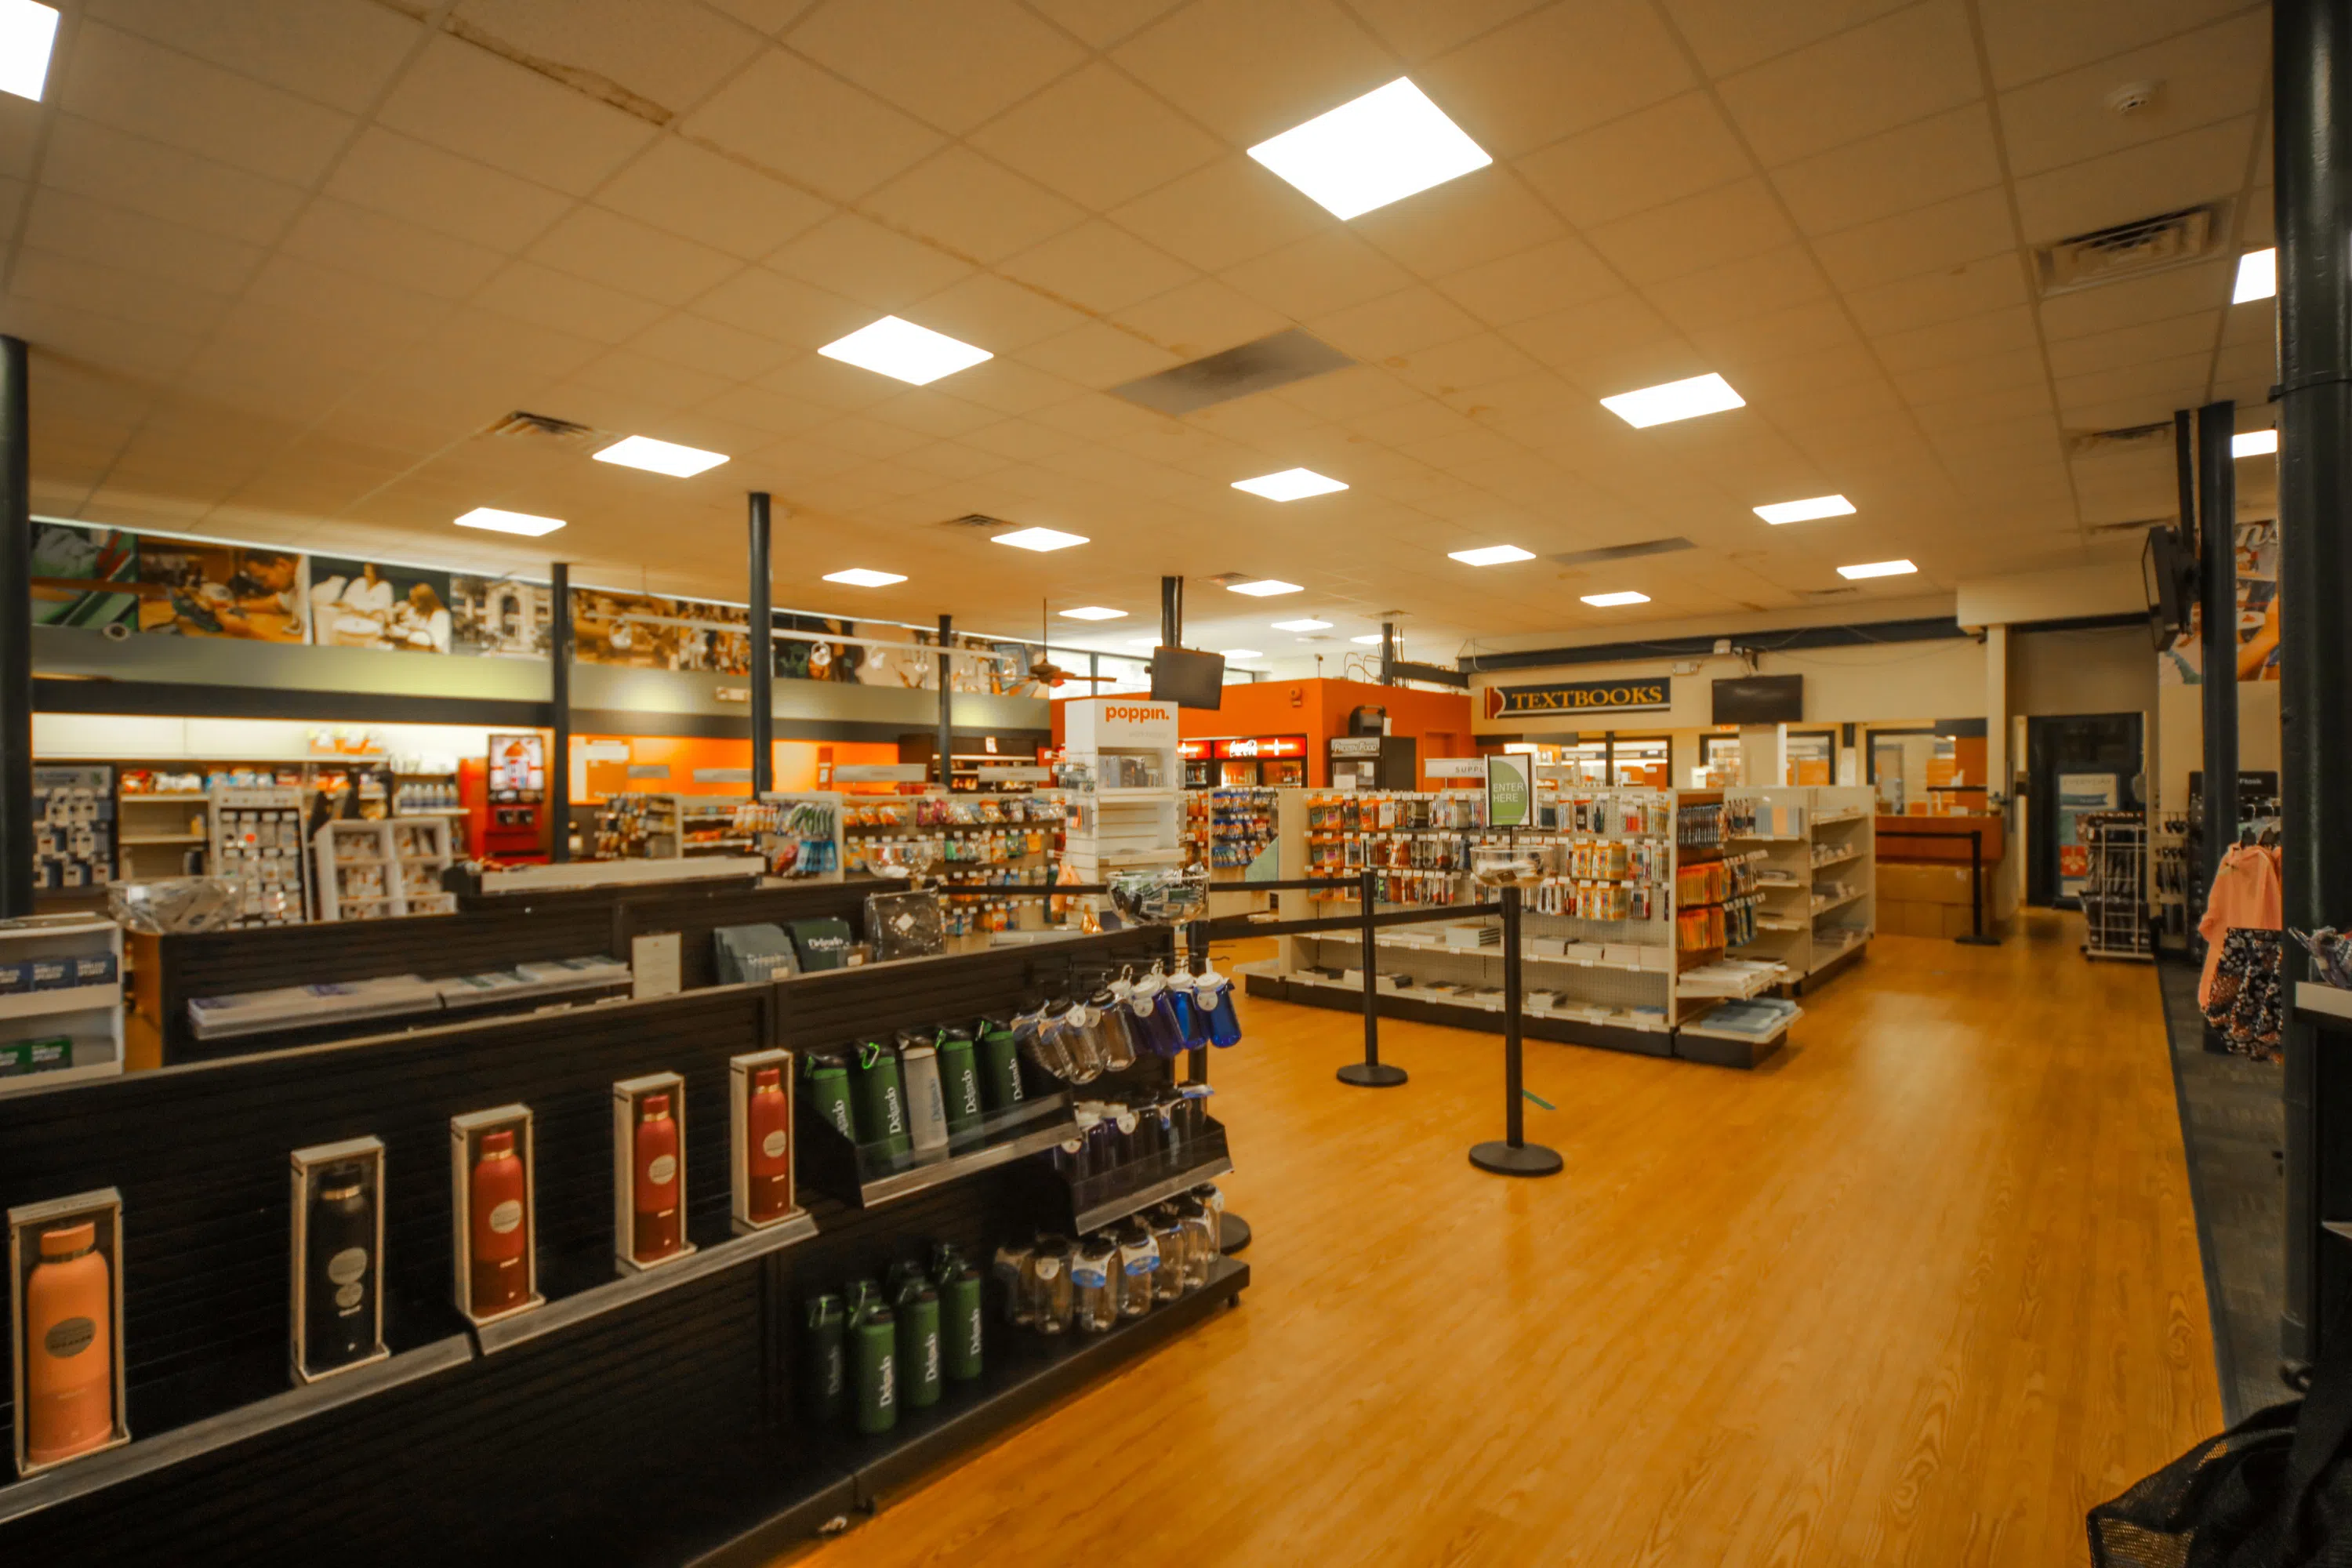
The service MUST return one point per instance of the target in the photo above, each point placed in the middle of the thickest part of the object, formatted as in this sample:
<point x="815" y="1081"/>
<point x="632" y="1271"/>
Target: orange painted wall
<point x="1439" y="722"/>
<point x="796" y="762"/>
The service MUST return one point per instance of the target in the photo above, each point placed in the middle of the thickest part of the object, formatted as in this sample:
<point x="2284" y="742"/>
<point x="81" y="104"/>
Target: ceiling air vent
<point x="1260" y="366"/>
<point x="1622" y="551"/>
<point x="545" y="429"/>
<point x="976" y="520"/>
<point x="1837" y="593"/>
<point x="2130" y="249"/>
<point x="2123" y="439"/>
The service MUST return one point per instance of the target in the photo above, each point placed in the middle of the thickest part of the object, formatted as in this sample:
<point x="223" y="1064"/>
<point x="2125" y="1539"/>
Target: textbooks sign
<point x="1644" y="692"/>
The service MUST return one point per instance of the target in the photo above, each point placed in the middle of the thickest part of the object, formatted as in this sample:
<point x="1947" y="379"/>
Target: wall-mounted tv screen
<point x="1760" y="700"/>
<point x="1188" y="679"/>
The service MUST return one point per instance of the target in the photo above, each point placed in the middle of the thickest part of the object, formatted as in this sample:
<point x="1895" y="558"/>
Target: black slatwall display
<point x="645" y="1435"/>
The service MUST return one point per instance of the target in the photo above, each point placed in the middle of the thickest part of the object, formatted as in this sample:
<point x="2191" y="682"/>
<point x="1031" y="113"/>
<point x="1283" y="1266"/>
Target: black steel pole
<point x="2217" y="598"/>
<point x="2184" y="478"/>
<point x="1513" y="1156"/>
<point x="1977" y="937"/>
<point x="2312" y="73"/>
<point x="1371" y="1072"/>
<point x="764" y="654"/>
<point x="559" y="712"/>
<point x="16" y="634"/>
<point x="946" y="707"/>
<point x="1387" y="652"/>
<point x="1171" y="612"/>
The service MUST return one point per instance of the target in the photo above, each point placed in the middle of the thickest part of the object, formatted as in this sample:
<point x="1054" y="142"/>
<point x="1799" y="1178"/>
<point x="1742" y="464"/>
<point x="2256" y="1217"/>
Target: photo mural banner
<point x="85" y="577"/>
<point x="2183" y="664"/>
<point x="364" y="604"/>
<point x="194" y="590"/>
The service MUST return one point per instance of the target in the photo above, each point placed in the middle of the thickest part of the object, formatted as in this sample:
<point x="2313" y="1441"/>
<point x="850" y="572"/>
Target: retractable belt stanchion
<point x="1371" y="1072"/>
<point x="1513" y="1156"/>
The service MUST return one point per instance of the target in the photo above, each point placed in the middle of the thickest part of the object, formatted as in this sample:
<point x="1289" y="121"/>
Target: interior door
<point x="2076" y="763"/>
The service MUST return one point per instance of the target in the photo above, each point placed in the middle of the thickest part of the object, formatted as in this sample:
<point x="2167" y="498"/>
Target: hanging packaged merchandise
<point x="496" y="1250"/>
<point x="65" y="1260"/>
<point x="879" y="1094"/>
<point x="1089" y="1047"/>
<point x="338" y="1306"/>
<point x="1214" y="994"/>
<point x="825" y="1358"/>
<point x="1122" y="1040"/>
<point x="1185" y="988"/>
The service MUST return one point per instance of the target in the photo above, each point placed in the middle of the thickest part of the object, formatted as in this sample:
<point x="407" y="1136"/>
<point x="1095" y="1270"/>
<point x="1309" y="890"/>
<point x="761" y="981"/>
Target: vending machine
<point x="505" y="796"/>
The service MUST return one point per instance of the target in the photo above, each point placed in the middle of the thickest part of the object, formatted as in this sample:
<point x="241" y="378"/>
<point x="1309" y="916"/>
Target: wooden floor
<point x="1919" y="1291"/>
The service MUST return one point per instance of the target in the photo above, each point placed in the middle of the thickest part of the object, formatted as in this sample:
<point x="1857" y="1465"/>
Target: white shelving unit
<point x="57" y="1023"/>
<point x="1128" y="813"/>
<point x="1818" y="873"/>
<point x="383" y="870"/>
<point x="257" y="838"/>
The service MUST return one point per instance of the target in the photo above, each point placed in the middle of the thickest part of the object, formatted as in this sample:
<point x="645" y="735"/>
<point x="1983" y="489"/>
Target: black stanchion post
<point x="1513" y="1156"/>
<point x="1371" y="1072"/>
<point x="1976" y="937"/>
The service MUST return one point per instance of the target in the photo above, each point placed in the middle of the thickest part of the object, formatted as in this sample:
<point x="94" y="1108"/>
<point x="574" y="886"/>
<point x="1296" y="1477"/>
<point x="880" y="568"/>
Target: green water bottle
<point x="920" y="1353"/>
<point x="874" y="1357"/>
<point x="961" y="1315"/>
<point x="879" y="1097"/>
<point x="826" y="1367"/>
<point x="827" y="1089"/>
<point x="960" y="1080"/>
<point x="1000" y="1068"/>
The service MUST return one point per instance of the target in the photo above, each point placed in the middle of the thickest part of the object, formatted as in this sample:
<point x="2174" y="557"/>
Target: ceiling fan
<point x="1043" y="670"/>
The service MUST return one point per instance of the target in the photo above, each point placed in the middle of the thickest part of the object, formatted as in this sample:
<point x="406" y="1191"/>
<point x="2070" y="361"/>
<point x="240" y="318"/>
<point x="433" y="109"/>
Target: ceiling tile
<point x="757" y="408"/>
<point x="862" y="260"/>
<point x="1885" y="73"/>
<point x="1228" y="213"/>
<point x="1395" y="325"/>
<point x="699" y="343"/>
<point x="132" y="85"/>
<point x="47" y="277"/>
<point x="954" y="65"/>
<point x="963" y="203"/>
<point x="2246" y="364"/>
<point x="995" y="313"/>
<point x="1329" y="271"/>
<point x="469" y="101"/>
<point x="1203" y="317"/>
<point x="2125" y="347"/>
<point x="702" y="196"/>
<point x="1945" y="234"/>
<point x="1480" y="217"/>
<point x="1737" y="220"/>
<point x="1729" y="36"/>
<point x="1978" y="373"/>
<point x="1099" y="138"/>
<point x="1097" y="269"/>
<point x="2009" y="329"/>
<point x="1096" y="355"/>
<point x="1944" y="296"/>
<point x="337" y="234"/>
<point x="390" y="174"/>
<point x="656" y="59"/>
<point x="530" y="292"/>
<point x="2160" y="176"/>
<point x="1571" y="339"/>
<point x="1985" y="409"/>
<point x="2214" y="73"/>
<point x="340" y="52"/>
<point x="1248" y="69"/>
<point x="1102" y="23"/>
<point x="1561" y="70"/>
<point x="1673" y="149"/>
<point x="2158" y="386"/>
<point x="77" y="227"/>
<point x="770" y="16"/>
<point x="1928" y="161"/>
<point x="786" y="116"/>
<point x="2134" y="301"/>
<point x="161" y="181"/>
<point x="1417" y="30"/>
<point x="1483" y="376"/>
<point x="782" y="308"/>
<point x="2030" y="38"/>
<point x="660" y="382"/>
<point x="1818" y="326"/>
<point x="1739" y="290"/>
<point x="1006" y="386"/>
<point x="1532" y="283"/>
<point x="625" y="254"/>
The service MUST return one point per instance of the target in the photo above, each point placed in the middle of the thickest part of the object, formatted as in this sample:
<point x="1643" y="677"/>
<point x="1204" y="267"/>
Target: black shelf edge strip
<point x="143" y="1456"/>
<point x="504" y="1333"/>
<point x="824" y="1503"/>
<point x="903" y="1183"/>
<point x="1166" y="1187"/>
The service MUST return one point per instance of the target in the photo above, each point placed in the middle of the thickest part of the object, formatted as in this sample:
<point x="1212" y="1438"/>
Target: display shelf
<point x="859" y="1175"/>
<point x="143" y="1456"/>
<point x="521" y="1328"/>
<point x="2329" y="1007"/>
<point x="1821" y="909"/>
<point x="136" y="839"/>
<point x="1823" y="865"/>
<point x="184" y="798"/>
<point x="72" y="999"/>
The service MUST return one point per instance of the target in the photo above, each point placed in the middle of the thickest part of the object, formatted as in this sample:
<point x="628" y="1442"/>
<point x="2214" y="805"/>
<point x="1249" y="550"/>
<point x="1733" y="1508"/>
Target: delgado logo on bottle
<point x="506" y="1217"/>
<point x="69" y="1337"/>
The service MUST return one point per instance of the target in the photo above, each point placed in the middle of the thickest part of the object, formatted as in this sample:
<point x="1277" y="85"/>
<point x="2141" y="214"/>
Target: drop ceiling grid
<point x="690" y="367"/>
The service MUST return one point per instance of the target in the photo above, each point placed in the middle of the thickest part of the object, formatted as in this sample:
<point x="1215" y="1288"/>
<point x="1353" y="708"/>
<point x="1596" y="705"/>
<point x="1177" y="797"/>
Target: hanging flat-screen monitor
<point x="1187" y="678"/>
<point x="1760" y="700"/>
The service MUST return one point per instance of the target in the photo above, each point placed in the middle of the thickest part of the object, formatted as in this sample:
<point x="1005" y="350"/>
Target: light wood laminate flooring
<point x="1920" y="1291"/>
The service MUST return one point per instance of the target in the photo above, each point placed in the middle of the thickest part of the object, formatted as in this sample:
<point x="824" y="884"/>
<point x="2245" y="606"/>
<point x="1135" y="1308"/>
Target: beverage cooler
<point x="1200" y="767"/>
<point x="1260" y="761"/>
<point x="505" y="796"/>
<point x="1375" y="761"/>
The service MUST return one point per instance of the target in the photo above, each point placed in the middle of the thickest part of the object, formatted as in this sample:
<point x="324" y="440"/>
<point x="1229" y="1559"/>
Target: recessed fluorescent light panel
<point x="1291" y="484"/>
<point x="2257" y="276"/>
<point x="903" y="350"/>
<point x="496" y="521"/>
<point x="1806" y="511"/>
<point x="1490" y="556"/>
<point x="1039" y="539"/>
<point x="864" y="577"/>
<point x="1307" y="623"/>
<point x="27" y="31"/>
<point x="1241" y="653"/>
<point x="1378" y="149"/>
<point x="1263" y="588"/>
<point x="2253" y="443"/>
<point x="1371" y="641"/>
<point x="1708" y="394"/>
<point x="1878" y="569"/>
<point x="660" y="456"/>
<point x="1611" y="601"/>
<point x="1095" y="613"/>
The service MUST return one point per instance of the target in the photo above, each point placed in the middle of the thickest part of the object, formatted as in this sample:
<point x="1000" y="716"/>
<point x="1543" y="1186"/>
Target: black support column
<point x="2312" y="69"/>
<point x="559" y="712"/>
<point x="1387" y="652"/>
<point x="946" y="706"/>
<point x="1171" y="612"/>
<point x="763" y="655"/>
<point x="2217" y="597"/>
<point x="15" y="634"/>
